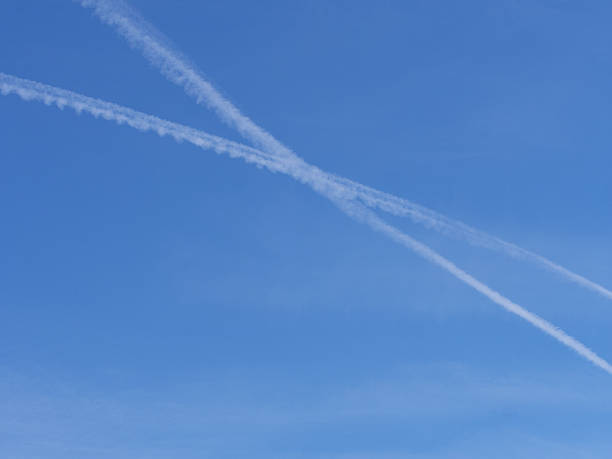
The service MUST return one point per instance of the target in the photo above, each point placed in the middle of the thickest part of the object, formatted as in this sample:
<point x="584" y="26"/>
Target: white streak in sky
<point x="301" y="171"/>
<point x="30" y="90"/>
<point x="314" y="177"/>
<point x="365" y="215"/>
<point x="445" y="225"/>
<point x="177" y="68"/>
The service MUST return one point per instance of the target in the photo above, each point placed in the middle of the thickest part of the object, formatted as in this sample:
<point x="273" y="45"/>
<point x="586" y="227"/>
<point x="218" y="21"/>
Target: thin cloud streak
<point x="403" y="208"/>
<point x="310" y="175"/>
<point x="430" y="255"/>
<point x="301" y="171"/>
<point x="178" y="69"/>
<point x="50" y="95"/>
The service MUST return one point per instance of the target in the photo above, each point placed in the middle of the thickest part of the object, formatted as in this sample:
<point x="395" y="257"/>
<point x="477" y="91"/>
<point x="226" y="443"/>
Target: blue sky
<point x="160" y="301"/>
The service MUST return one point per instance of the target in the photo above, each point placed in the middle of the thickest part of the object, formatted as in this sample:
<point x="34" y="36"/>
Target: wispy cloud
<point x="305" y="173"/>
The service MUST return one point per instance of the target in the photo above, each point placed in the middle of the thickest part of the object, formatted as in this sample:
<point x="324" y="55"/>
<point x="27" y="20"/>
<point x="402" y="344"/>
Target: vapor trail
<point x="299" y="170"/>
<point x="459" y="230"/>
<point x="177" y="68"/>
<point x="364" y="215"/>
<point x="314" y="177"/>
<point x="31" y="90"/>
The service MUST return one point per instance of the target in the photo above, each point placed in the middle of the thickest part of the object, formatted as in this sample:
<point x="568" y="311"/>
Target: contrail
<point x="177" y="68"/>
<point x="459" y="230"/>
<point x="337" y="193"/>
<point x="364" y="215"/>
<point x="31" y="90"/>
<point x="299" y="170"/>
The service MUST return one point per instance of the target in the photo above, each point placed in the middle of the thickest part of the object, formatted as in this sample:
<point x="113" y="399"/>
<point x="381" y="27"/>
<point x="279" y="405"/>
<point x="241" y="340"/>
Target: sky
<point x="160" y="301"/>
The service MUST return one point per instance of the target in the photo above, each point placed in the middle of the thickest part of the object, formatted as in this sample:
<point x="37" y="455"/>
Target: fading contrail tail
<point x="362" y="214"/>
<point x="301" y="171"/>
<point x="459" y="230"/>
<point x="179" y="70"/>
<point x="314" y="177"/>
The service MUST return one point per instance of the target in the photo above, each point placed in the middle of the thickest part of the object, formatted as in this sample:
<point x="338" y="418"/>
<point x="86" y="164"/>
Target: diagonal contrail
<point x="365" y="215"/>
<point x="459" y="230"/>
<point x="301" y="171"/>
<point x="177" y="68"/>
<point x="31" y="90"/>
<point x="314" y="177"/>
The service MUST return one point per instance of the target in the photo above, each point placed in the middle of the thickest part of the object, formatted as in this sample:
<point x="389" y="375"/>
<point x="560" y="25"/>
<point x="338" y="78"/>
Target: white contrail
<point x="177" y="68"/>
<point x="31" y="90"/>
<point x="363" y="214"/>
<point x="447" y="226"/>
<point x="299" y="170"/>
<point x="318" y="180"/>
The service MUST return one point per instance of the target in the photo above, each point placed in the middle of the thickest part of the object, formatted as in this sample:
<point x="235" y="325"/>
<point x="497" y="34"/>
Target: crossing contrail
<point x="177" y="68"/>
<point x="31" y="90"/>
<point x="314" y="177"/>
<point x="363" y="214"/>
<point x="459" y="230"/>
<point x="50" y="95"/>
